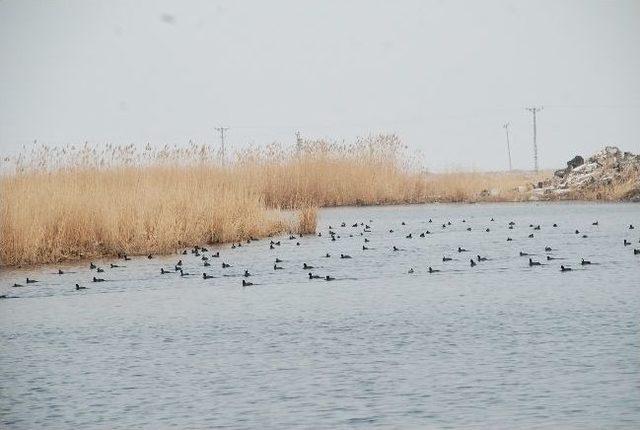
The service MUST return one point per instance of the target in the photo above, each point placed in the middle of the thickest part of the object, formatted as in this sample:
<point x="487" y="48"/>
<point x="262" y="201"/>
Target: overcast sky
<point x="444" y="75"/>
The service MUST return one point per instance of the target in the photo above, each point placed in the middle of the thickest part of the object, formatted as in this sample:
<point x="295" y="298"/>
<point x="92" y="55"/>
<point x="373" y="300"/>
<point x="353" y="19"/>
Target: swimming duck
<point x="306" y="266"/>
<point x="17" y="285"/>
<point x="225" y="265"/>
<point x="534" y="263"/>
<point x="276" y="267"/>
<point x="481" y="258"/>
<point x="312" y="276"/>
<point x="364" y="248"/>
<point x="411" y="270"/>
<point x="216" y="255"/>
<point x="327" y="255"/>
<point x="468" y="228"/>
<point x="278" y="260"/>
<point x="555" y="225"/>
<point x="537" y="227"/>
<point x="473" y="263"/>
<point x="531" y="236"/>
<point x="246" y="273"/>
<point x="97" y="279"/>
<point x="245" y="283"/>
<point x="577" y="231"/>
<point x="492" y="220"/>
<point x="164" y="272"/>
<point x="430" y="220"/>
<point x="204" y="258"/>
<point x="433" y="270"/>
<point x="206" y="264"/>
<point x="594" y="223"/>
<point x="329" y="278"/>
<point x="184" y="252"/>
<point x="523" y="254"/>
<point x="565" y="269"/>
<point x="549" y="258"/>
<point x="445" y="259"/>
<point x="100" y="270"/>
<point x="636" y="251"/>
<point x="366" y="240"/>
<point x="92" y="266"/>
<point x="391" y="231"/>
<point x="626" y="242"/>
<point x="487" y="230"/>
<point x="60" y="272"/>
<point x="345" y="256"/>
<point x="631" y="227"/>
<point x="585" y="262"/>
<point x="461" y="249"/>
<point x="509" y="239"/>
<point x="78" y="287"/>
<point x="512" y="223"/>
<point x="395" y="248"/>
<point x="183" y="273"/>
<point x="114" y="266"/>
<point x="421" y="234"/>
<point x="179" y="263"/>
<point x="149" y="256"/>
<point x="31" y="281"/>
<point x="205" y="276"/>
<point x="547" y="249"/>
<point x="409" y="236"/>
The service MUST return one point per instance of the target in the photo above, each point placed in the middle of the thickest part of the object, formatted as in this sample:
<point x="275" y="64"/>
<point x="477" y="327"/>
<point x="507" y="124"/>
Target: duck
<point x="276" y="267"/>
<point x="100" y="270"/>
<point x="78" y="287"/>
<point x="411" y="270"/>
<point x="537" y="227"/>
<point x="433" y="270"/>
<point x="97" y="279"/>
<point x="531" y="236"/>
<point x="444" y="259"/>
<point x="114" y="266"/>
<point x="409" y="236"/>
<point x="177" y="268"/>
<point x="481" y="258"/>
<point x="306" y="266"/>
<point x="421" y="234"/>
<point x="31" y="281"/>
<point x="468" y="228"/>
<point x="216" y="255"/>
<point x="473" y="263"/>
<point x="523" y="254"/>
<point x="327" y="255"/>
<point x="205" y="258"/>
<point x="179" y="263"/>
<point x="17" y="285"/>
<point x="626" y="242"/>
<point x="183" y="273"/>
<point x="345" y="256"/>
<point x="312" y="276"/>
<point x="150" y="256"/>
<point x="547" y="249"/>
<point x="430" y="220"/>
<point x="509" y="239"/>
<point x="246" y="273"/>
<point x="492" y="220"/>
<point x="534" y="263"/>
<point x="364" y="248"/>
<point x="565" y="269"/>
<point x="487" y="230"/>
<point x="366" y="240"/>
<point x="549" y="258"/>
<point x="636" y="251"/>
<point x="577" y="231"/>
<point x="206" y="264"/>
<point x="92" y="266"/>
<point x="594" y="223"/>
<point x="329" y="278"/>
<point x="225" y="265"/>
<point x="461" y="249"/>
<point x="205" y="276"/>
<point x="585" y="262"/>
<point x="555" y="225"/>
<point x="245" y="283"/>
<point x="395" y="248"/>
<point x="631" y="227"/>
<point x="60" y="272"/>
<point x="184" y="252"/>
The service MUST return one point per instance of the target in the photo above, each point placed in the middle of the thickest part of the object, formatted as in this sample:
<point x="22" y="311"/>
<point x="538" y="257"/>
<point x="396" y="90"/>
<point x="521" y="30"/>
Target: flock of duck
<point x="202" y="257"/>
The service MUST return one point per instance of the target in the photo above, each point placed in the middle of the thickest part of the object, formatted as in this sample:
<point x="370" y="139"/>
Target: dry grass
<point x="71" y="203"/>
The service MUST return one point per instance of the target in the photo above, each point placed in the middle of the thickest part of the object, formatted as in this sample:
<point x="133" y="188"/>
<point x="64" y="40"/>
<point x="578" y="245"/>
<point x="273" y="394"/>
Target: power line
<point x="221" y="130"/>
<point x="534" y="110"/>
<point x="506" y="129"/>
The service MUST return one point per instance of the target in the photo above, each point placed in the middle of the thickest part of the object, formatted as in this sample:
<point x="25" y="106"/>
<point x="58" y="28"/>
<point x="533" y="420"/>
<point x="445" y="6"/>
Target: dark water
<point x="500" y="345"/>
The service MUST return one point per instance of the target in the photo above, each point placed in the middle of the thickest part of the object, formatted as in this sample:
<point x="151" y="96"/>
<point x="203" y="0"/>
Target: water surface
<point x="499" y="345"/>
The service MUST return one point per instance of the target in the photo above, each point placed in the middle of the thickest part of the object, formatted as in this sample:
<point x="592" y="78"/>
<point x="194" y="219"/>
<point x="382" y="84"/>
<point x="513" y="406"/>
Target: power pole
<point x="506" y="129"/>
<point x="221" y="130"/>
<point x="534" y="110"/>
<point x="298" y="142"/>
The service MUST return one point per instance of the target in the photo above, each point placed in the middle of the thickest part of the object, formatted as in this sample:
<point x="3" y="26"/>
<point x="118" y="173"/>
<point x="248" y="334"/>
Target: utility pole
<point x="221" y="130"/>
<point x="298" y="142"/>
<point x="506" y="130"/>
<point x="534" y="110"/>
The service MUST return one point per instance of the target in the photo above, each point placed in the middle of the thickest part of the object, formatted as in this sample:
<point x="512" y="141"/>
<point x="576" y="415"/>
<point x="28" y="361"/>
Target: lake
<point x="499" y="345"/>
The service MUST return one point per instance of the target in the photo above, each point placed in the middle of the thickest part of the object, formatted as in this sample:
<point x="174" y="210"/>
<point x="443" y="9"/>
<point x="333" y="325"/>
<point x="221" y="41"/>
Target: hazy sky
<point x="444" y="75"/>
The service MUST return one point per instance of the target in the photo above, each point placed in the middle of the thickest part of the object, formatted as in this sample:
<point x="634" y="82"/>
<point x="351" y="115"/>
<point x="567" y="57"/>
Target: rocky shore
<point x="609" y="174"/>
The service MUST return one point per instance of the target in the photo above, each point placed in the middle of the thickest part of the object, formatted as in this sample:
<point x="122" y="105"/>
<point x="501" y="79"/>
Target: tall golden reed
<point x="69" y="203"/>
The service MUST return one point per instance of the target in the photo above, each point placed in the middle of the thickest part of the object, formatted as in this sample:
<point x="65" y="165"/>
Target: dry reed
<point x="69" y="203"/>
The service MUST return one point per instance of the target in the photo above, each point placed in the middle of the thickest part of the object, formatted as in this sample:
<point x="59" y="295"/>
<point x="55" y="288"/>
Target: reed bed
<point x="69" y="203"/>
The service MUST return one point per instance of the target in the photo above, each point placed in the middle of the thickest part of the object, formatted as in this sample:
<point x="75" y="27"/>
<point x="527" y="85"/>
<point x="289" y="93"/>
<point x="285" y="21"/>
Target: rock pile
<point x="610" y="174"/>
